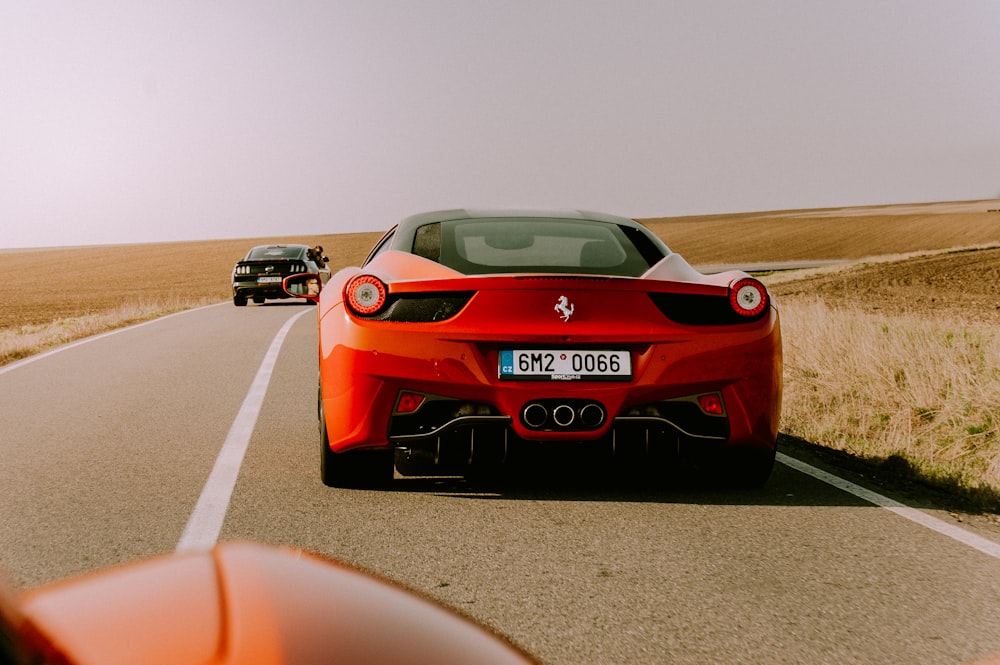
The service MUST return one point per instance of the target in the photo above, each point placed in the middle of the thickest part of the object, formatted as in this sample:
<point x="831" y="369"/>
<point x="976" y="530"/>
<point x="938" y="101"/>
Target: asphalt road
<point x="106" y="447"/>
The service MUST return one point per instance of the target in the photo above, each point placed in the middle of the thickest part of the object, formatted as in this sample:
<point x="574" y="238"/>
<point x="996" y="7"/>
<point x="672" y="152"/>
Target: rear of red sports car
<point x="467" y="338"/>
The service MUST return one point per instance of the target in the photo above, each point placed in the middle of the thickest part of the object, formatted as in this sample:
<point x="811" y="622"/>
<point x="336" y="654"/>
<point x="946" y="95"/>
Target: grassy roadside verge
<point x="917" y="397"/>
<point x="27" y="340"/>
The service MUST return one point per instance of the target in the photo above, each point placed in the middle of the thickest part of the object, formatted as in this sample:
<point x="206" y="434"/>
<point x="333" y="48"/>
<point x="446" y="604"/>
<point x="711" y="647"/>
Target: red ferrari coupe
<point x="468" y="338"/>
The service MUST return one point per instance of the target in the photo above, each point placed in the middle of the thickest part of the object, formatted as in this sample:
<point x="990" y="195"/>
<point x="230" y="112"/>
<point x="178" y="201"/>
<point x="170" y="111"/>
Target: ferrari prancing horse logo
<point x="565" y="308"/>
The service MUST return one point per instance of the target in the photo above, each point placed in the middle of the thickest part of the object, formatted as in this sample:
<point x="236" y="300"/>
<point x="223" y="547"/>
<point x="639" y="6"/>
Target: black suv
<point x="258" y="276"/>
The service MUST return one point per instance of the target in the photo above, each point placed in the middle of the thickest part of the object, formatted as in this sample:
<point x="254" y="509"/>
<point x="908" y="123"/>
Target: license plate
<point x="269" y="279"/>
<point x="565" y="365"/>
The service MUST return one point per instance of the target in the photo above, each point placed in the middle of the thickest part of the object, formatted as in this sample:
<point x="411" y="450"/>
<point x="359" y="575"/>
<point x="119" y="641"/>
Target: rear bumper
<point x="252" y="288"/>
<point x="366" y="371"/>
<point x="453" y="436"/>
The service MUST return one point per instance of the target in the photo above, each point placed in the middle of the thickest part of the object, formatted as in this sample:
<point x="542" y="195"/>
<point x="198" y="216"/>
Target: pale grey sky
<point x="177" y="120"/>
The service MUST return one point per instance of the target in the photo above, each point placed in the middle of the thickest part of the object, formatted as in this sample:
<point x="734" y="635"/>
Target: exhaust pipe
<point x="570" y="415"/>
<point x="534" y="415"/>
<point x="592" y="415"/>
<point x="563" y="415"/>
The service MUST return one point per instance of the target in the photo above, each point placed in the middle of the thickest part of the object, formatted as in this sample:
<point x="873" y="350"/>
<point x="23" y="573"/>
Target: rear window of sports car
<point x="573" y="246"/>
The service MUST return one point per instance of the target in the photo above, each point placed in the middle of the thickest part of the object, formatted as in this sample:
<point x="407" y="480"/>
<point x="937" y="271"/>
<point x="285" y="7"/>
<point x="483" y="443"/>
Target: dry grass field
<point x="89" y="280"/>
<point x="892" y="357"/>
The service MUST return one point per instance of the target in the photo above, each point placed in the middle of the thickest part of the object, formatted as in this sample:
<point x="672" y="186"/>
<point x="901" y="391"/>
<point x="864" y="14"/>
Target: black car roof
<point x="407" y="227"/>
<point x="485" y="213"/>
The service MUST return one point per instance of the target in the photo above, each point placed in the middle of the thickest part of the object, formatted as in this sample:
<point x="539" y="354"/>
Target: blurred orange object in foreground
<point x="239" y="603"/>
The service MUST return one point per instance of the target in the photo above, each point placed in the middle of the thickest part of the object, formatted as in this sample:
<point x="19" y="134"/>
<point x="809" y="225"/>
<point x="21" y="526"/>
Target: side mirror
<point x="303" y="285"/>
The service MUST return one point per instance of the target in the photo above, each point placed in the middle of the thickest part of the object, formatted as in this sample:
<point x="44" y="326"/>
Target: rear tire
<point x="240" y="300"/>
<point x="747" y="468"/>
<point x="354" y="468"/>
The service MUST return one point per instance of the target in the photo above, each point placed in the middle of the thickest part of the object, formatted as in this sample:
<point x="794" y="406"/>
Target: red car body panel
<point x="242" y="603"/>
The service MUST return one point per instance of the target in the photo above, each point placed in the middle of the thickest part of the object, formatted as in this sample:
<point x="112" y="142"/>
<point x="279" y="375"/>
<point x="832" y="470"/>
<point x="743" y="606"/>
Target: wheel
<point x="258" y="300"/>
<point x="240" y="300"/>
<point x="355" y="468"/>
<point x="747" y="468"/>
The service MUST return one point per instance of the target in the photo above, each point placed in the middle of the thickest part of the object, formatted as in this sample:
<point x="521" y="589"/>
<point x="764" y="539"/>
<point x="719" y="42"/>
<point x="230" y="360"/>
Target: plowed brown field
<point x="834" y="233"/>
<point x="44" y="285"/>
<point x="963" y="285"/>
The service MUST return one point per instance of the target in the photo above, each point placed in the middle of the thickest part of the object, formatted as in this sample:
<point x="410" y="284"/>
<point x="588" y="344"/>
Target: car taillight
<point x="748" y="297"/>
<point x="712" y="404"/>
<point x="365" y="294"/>
<point x="409" y="402"/>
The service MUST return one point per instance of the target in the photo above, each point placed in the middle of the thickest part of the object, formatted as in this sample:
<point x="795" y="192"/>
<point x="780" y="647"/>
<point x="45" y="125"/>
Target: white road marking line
<point x="963" y="536"/>
<point x="205" y="523"/>
<point x="87" y="340"/>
